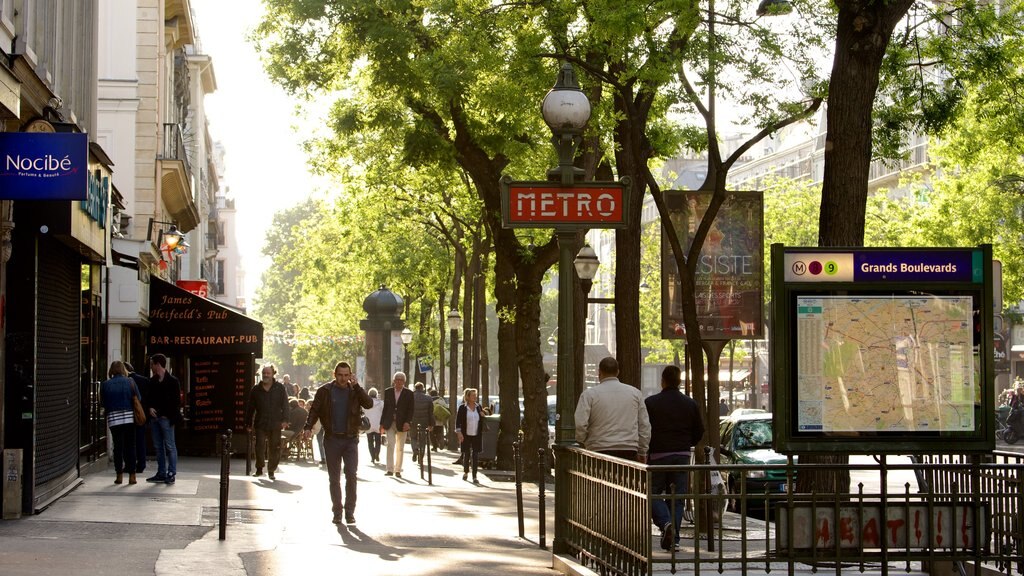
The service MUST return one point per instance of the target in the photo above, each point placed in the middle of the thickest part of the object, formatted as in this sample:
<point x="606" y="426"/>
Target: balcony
<point x="176" y="181"/>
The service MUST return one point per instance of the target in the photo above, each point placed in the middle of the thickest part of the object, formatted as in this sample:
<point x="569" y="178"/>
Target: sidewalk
<point x="283" y="527"/>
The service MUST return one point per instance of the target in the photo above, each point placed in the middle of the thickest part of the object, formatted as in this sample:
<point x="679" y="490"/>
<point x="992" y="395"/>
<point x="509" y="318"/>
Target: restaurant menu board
<point x="219" y="388"/>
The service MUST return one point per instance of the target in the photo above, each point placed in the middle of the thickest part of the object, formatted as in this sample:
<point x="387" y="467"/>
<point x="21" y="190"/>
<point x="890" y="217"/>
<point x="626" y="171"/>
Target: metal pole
<point x="453" y="387"/>
<point x="517" y="457"/>
<point x="565" y="428"/>
<point x="430" y="469"/>
<point x="225" y="477"/>
<point x="542" y="474"/>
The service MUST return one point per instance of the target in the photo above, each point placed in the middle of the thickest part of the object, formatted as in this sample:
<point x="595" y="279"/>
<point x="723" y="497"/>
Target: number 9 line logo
<point x="831" y="268"/>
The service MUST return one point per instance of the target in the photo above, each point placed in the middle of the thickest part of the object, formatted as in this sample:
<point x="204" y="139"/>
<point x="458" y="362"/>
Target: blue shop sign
<point x="39" y="166"/>
<point x="95" y="204"/>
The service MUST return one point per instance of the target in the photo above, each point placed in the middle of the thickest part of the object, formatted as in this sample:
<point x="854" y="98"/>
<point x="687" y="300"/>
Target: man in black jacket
<point x="396" y="420"/>
<point x="266" y="414"/>
<point x="676" y="426"/>
<point x="164" y="409"/>
<point x="336" y="406"/>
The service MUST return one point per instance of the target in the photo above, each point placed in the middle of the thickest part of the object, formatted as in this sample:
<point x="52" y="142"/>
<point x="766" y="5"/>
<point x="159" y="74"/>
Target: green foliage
<point x="946" y="58"/>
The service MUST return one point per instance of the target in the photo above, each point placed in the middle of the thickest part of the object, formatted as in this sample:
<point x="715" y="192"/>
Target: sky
<point x="265" y="167"/>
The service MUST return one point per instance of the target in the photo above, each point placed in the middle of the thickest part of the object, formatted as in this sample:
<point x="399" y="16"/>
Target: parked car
<point x="747" y="439"/>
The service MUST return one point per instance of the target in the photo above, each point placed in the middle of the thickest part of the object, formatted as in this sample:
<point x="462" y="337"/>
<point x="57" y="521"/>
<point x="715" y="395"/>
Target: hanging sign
<point x="40" y="166"/>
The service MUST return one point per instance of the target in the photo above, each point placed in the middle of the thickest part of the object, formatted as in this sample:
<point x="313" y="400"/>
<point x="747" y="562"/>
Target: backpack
<point x="441" y="411"/>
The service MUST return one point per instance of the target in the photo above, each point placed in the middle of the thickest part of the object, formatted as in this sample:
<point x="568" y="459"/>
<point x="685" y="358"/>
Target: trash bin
<point x="489" y="443"/>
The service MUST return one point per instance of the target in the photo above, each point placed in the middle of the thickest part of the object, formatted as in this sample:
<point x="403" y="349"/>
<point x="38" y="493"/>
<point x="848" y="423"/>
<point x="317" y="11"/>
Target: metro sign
<point x="552" y="205"/>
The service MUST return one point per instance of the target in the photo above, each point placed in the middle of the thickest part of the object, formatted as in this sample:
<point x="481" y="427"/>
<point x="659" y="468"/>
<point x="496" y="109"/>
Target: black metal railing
<point x="174" y="146"/>
<point x="899" y="516"/>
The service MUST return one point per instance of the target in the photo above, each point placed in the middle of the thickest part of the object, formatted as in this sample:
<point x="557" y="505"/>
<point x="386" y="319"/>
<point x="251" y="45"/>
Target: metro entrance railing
<point x="942" y="513"/>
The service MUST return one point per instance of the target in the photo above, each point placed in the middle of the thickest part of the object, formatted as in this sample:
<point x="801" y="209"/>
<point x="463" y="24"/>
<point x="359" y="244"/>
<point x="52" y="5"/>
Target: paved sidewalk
<point x="280" y="528"/>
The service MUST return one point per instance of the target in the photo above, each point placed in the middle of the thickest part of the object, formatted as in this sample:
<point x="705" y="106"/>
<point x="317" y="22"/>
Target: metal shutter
<point x="58" y="366"/>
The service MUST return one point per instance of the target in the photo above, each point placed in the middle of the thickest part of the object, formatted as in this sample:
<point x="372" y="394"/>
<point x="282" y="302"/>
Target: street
<point x="282" y="527"/>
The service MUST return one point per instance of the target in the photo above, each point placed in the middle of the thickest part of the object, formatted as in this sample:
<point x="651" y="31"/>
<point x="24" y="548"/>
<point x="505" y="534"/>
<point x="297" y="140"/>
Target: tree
<point x="435" y="83"/>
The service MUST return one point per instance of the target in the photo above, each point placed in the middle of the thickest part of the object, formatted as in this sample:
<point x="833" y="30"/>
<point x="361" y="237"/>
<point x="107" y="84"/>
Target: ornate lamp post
<point x="454" y="324"/>
<point x="406" y="340"/>
<point x="566" y="111"/>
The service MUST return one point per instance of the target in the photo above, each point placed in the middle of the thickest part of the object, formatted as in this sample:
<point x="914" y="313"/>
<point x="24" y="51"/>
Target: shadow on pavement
<point x="355" y="539"/>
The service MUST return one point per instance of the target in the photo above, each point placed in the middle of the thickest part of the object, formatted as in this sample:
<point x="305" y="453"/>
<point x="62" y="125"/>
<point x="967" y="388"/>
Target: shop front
<point x="54" y="360"/>
<point x="213" y="351"/>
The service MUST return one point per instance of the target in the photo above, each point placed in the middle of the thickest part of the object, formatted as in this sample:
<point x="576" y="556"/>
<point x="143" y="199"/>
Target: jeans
<point x="123" y="436"/>
<point x="373" y="443"/>
<point x="342" y="449"/>
<point x="320" y="443"/>
<point x="471" y="443"/>
<point x="396" y="449"/>
<point x="166" y="450"/>
<point x="268" y="439"/>
<point x="661" y="483"/>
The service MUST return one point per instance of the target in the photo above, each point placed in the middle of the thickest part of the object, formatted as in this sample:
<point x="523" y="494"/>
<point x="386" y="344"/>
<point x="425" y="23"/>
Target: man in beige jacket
<point x="611" y="418"/>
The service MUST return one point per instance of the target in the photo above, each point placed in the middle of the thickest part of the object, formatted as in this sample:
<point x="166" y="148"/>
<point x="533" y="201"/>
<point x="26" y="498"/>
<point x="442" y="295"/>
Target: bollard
<point x="225" y="477"/>
<point x="419" y="446"/>
<point x="430" y="469"/>
<point x="542" y="469"/>
<point x="517" y="458"/>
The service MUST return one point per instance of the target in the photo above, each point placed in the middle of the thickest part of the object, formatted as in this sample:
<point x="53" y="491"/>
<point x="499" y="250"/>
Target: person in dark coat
<point x="266" y="414"/>
<point x="164" y="413"/>
<point x="676" y="427"/>
<point x="337" y="406"/>
<point x="422" y="420"/>
<point x="396" y="420"/>
<point x="142" y="384"/>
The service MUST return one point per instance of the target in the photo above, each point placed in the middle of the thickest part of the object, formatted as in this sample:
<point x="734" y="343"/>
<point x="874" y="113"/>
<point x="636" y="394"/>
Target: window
<point x="218" y="284"/>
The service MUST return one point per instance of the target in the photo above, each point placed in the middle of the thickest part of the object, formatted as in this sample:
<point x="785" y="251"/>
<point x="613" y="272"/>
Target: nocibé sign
<point x="552" y="205"/>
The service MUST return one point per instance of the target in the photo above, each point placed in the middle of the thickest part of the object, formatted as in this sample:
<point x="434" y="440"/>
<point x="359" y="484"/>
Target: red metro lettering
<point x="577" y="204"/>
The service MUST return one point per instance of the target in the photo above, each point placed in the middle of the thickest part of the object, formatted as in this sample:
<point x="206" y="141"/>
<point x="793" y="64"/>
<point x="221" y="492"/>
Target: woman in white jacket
<point x="373" y="434"/>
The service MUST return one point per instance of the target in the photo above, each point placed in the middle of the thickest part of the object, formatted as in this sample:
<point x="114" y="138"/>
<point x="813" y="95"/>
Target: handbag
<point x="364" y="424"/>
<point x="137" y="411"/>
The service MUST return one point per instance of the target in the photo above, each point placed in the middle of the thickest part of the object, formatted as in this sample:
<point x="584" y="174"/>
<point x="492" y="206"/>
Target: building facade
<point x="54" y="248"/>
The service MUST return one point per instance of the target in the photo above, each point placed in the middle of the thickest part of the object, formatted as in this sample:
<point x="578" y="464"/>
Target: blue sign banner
<point x="42" y="166"/>
<point x="927" y="266"/>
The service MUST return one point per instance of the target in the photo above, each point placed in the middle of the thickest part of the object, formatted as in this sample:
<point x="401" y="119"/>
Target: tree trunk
<point x="862" y="36"/>
<point x="477" y="362"/>
<point x="863" y="33"/>
<point x="630" y="159"/>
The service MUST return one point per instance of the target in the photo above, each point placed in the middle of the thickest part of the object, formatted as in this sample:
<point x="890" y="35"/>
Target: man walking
<point x="676" y="426"/>
<point x="422" y="421"/>
<point x="611" y="417"/>
<point x="266" y="414"/>
<point x="396" y="421"/>
<point x="164" y="415"/>
<point x="336" y="406"/>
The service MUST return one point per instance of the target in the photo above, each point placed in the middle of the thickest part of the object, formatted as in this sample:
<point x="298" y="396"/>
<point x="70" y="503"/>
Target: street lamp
<point x="406" y="340"/>
<point x="566" y="110"/>
<point x="454" y="324"/>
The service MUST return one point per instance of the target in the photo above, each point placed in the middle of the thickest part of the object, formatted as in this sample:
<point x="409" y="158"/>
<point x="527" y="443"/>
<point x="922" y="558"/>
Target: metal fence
<point x="950" y="512"/>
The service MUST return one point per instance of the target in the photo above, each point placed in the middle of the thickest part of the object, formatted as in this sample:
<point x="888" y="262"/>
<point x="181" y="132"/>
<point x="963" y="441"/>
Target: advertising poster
<point x="730" y="272"/>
